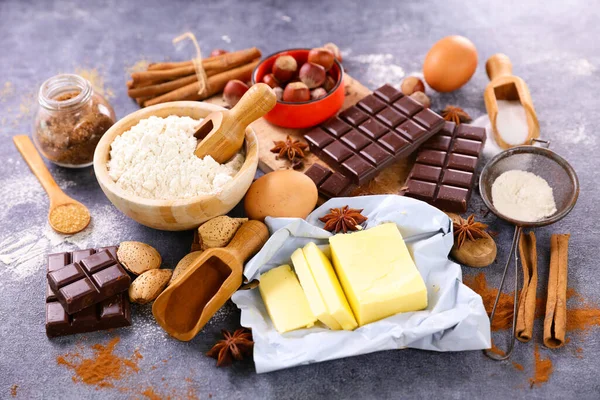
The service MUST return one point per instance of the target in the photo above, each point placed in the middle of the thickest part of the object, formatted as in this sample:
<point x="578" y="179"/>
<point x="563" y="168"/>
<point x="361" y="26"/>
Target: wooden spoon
<point x="189" y="303"/>
<point x="66" y="215"/>
<point x="505" y="86"/>
<point x="222" y="132"/>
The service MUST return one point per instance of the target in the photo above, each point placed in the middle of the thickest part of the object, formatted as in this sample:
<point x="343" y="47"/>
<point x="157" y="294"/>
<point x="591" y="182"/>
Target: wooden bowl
<point x="181" y="214"/>
<point x="308" y="113"/>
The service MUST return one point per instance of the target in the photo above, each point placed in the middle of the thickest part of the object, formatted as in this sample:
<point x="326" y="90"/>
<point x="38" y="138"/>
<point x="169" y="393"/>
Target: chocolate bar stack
<point x="385" y="127"/>
<point x="86" y="292"/>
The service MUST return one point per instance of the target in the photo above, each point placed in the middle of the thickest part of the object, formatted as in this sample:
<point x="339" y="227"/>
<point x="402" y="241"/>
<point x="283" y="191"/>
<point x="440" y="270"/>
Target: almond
<point x="146" y="287"/>
<point x="219" y="231"/>
<point x="138" y="257"/>
<point x="183" y="265"/>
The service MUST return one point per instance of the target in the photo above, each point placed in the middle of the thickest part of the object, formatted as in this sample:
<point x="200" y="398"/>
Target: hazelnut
<point x="321" y="56"/>
<point x="270" y="80"/>
<point x="335" y="50"/>
<point x="318" y="93"/>
<point x="233" y="92"/>
<point x="296" y="92"/>
<point x="421" y="98"/>
<point x="284" y="68"/>
<point x="279" y="93"/>
<point x="218" y="52"/>
<point x="329" y="83"/>
<point x="412" y="84"/>
<point x="312" y="75"/>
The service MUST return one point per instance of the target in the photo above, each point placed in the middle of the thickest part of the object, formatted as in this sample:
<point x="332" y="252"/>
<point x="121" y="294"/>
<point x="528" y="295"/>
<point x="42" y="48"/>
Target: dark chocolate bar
<point x="444" y="172"/>
<point x="366" y="138"/>
<point x="114" y="312"/>
<point x="86" y="278"/>
<point x="330" y="184"/>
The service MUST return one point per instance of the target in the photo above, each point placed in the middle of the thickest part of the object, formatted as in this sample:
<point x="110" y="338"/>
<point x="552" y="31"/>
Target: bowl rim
<point x="331" y="92"/>
<point x="101" y="167"/>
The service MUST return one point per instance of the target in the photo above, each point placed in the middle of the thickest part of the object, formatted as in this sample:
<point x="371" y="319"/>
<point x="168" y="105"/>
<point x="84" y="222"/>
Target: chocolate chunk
<point x="408" y="106"/>
<point x="317" y="173"/>
<point x="373" y="129"/>
<point x="113" y="312"/>
<point x="337" y="185"/>
<point x="89" y="281"/>
<point x="354" y="116"/>
<point x="336" y="127"/>
<point x="391" y="117"/>
<point x="355" y="140"/>
<point x="371" y="104"/>
<point x="388" y="93"/>
<point x="444" y="172"/>
<point x="360" y="142"/>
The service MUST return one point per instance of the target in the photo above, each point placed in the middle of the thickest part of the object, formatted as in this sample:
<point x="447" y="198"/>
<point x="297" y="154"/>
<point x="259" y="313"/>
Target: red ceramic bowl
<point x="308" y="113"/>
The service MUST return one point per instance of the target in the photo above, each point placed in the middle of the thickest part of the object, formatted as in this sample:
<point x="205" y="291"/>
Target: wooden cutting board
<point x="389" y="181"/>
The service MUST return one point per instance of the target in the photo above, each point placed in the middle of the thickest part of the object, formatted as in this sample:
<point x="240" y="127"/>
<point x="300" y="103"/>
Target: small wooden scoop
<point x="190" y="302"/>
<point x="505" y="86"/>
<point x="222" y="132"/>
<point x="66" y="215"/>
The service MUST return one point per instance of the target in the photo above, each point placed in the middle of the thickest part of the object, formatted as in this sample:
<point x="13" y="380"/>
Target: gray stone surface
<point x="553" y="46"/>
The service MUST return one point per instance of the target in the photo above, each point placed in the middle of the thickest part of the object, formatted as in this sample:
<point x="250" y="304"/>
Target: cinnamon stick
<point x="162" y="75"/>
<point x="226" y="56"/>
<point x="555" y="321"/>
<point x="160" y="88"/>
<point x="212" y="66"/>
<point x="527" y="298"/>
<point x="215" y="84"/>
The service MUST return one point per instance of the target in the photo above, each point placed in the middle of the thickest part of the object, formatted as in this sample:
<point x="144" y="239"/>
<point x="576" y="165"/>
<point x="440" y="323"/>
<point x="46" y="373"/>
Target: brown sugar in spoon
<point x="66" y="215"/>
<point x="222" y="132"/>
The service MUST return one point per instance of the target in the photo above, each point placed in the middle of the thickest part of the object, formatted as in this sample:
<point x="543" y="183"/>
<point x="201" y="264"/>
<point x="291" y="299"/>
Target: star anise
<point x="289" y="148"/>
<point x="456" y="115"/>
<point x="468" y="229"/>
<point x="235" y="346"/>
<point x="343" y="219"/>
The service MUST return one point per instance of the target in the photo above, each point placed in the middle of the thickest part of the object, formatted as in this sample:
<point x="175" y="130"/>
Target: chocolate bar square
<point x="444" y="172"/>
<point x="113" y="312"/>
<point x="88" y="281"/>
<point x="380" y="129"/>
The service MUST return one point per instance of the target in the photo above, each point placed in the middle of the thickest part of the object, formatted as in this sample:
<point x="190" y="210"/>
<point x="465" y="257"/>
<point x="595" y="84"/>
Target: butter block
<point x="377" y="273"/>
<point x="285" y="300"/>
<point x="329" y="287"/>
<point x="309" y="285"/>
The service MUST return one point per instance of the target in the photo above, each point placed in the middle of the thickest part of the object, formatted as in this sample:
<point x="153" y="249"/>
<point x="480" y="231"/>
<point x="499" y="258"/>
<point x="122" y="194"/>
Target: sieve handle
<point x="513" y="252"/>
<point x="543" y="143"/>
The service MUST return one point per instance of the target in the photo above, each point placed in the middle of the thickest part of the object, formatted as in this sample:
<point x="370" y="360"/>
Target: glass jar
<point x="70" y="120"/>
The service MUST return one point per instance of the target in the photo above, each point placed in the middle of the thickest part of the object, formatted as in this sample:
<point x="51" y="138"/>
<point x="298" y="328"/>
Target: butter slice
<point x="308" y="283"/>
<point x="329" y="287"/>
<point x="377" y="273"/>
<point x="285" y="300"/>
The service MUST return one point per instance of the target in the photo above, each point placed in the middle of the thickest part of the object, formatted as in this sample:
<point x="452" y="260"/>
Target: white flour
<point x="155" y="159"/>
<point x="523" y="196"/>
<point x="380" y="68"/>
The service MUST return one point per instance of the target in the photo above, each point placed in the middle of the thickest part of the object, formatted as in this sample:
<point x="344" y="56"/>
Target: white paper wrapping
<point x="454" y="320"/>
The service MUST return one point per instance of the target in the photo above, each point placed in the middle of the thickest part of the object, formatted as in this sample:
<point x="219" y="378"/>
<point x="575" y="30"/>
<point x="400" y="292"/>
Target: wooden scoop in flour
<point x="222" y="132"/>
<point x="188" y="304"/>
<point x="505" y="86"/>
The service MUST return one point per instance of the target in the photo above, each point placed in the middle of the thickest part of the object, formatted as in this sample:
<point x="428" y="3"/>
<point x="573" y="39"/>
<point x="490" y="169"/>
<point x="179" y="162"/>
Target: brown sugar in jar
<point x="70" y="120"/>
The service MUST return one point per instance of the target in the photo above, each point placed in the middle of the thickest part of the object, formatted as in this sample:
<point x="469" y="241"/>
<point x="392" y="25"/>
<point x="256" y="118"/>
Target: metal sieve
<point x="565" y="187"/>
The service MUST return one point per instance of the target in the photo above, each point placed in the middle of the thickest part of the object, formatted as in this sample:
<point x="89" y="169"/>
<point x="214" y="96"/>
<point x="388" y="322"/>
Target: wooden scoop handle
<point x="35" y="162"/>
<point x="256" y="102"/>
<point x="248" y="240"/>
<point x="498" y="65"/>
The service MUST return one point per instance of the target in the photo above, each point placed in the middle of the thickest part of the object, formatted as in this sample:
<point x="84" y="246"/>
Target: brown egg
<point x="450" y="63"/>
<point x="284" y="193"/>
